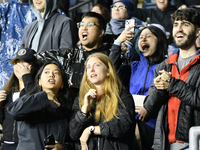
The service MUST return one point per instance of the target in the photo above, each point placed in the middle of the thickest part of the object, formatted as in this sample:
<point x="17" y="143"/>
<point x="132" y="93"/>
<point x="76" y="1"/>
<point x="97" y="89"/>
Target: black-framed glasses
<point x="88" y="25"/>
<point x="118" y="7"/>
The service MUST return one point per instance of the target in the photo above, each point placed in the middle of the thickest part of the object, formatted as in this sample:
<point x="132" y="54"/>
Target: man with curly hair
<point x="174" y="93"/>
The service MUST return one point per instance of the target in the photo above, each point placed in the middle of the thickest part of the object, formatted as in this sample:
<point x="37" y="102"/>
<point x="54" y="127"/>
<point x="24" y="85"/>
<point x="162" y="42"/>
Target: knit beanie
<point x="129" y="6"/>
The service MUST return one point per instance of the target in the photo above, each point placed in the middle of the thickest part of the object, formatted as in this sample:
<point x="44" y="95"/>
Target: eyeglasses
<point x="88" y="25"/>
<point x="118" y="7"/>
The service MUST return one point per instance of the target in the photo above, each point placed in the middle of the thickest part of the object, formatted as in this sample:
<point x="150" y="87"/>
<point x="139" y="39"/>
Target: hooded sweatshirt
<point x="51" y="31"/>
<point x="50" y="6"/>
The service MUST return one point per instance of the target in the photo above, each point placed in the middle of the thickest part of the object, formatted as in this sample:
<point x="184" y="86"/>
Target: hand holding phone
<point x="49" y="140"/>
<point x="129" y="23"/>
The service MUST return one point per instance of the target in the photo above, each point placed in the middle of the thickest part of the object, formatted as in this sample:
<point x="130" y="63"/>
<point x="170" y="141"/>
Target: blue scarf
<point x="117" y="26"/>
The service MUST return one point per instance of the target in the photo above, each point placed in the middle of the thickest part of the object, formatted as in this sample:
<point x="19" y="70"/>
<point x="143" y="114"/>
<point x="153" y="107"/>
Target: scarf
<point x="117" y="26"/>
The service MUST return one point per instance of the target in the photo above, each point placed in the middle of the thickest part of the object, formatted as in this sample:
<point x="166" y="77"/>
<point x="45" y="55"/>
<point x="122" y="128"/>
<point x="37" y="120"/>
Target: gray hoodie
<point x="50" y="6"/>
<point x="52" y="31"/>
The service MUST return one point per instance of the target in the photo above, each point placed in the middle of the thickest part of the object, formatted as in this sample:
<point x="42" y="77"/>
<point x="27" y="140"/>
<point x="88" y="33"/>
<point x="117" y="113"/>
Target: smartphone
<point x="49" y="140"/>
<point x="129" y="23"/>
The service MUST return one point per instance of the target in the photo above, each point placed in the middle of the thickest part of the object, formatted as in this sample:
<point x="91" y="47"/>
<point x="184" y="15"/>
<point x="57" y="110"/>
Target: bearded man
<point x="174" y="93"/>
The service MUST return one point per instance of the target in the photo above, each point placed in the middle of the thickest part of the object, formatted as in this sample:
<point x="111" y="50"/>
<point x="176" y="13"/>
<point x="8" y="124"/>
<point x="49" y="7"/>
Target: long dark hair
<point x="63" y="95"/>
<point x="105" y="12"/>
<point x="162" y="44"/>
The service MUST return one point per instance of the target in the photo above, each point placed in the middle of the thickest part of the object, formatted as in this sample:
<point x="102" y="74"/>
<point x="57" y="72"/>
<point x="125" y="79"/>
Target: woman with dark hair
<point x="152" y="44"/>
<point x="98" y="8"/>
<point x="20" y="83"/>
<point x="103" y="114"/>
<point x="44" y="111"/>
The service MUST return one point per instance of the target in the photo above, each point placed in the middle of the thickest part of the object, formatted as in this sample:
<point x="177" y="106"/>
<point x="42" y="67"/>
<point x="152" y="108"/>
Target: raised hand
<point x="162" y="81"/>
<point x="22" y="69"/>
<point x="126" y="35"/>
<point x="3" y="95"/>
<point x="88" y="100"/>
<point x="165" y="76"/>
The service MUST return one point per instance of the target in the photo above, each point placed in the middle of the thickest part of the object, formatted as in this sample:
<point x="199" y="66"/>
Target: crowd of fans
<point x="78" y="86"/>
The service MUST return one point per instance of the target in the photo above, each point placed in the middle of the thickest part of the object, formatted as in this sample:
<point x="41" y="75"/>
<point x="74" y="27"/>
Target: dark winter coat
<point x="189" y="111"/>
<point x="8" y="123"/>
<point x="78" y="59"/>
<point x="188" y="3"/>
<point x="156" y="16"/>
<point x="116" y="134"/>
<point x="37" y="118"/>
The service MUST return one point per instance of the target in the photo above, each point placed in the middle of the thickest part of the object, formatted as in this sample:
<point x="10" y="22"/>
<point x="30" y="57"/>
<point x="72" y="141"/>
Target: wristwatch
<point x="91" y="128"/>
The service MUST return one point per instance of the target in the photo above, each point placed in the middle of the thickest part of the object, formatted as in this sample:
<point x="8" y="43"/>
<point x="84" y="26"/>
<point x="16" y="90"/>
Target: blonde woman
<point x="103" y="113"/>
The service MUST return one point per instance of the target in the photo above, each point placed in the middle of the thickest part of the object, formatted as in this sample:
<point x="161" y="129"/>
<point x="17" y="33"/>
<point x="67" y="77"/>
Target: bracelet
<point x="85" y="114"/>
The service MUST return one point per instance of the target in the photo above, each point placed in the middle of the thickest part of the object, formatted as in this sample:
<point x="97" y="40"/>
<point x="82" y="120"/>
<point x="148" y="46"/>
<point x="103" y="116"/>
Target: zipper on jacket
<point x="14" y="130"/>
<point x="98" y="144"/>
<point x="177" y="69"/>
<point x="145" y="80"/>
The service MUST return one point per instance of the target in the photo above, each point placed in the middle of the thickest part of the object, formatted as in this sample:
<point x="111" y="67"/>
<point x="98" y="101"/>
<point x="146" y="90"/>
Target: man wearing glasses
<point x="91" y="31"/>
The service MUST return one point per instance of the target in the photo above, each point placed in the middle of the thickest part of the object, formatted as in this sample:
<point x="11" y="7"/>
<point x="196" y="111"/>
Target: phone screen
<point x="129" y="23"/>
<point x="49" y="140"/>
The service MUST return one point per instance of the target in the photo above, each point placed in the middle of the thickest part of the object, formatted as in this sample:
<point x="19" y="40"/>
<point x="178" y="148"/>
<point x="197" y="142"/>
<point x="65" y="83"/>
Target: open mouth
<point x="51" y="81"/>
<point x="145" y="47"/>
<point x="93" y="75"/>
<point x="38" y="3"/>
<point x="179" y="36"/>
<point x="161" y="1"/>
<point x="84" y="36"/>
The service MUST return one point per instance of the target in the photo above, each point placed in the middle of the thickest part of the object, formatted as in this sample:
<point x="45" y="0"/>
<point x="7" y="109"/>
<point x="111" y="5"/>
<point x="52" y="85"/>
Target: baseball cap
<point x="25" y="54"/>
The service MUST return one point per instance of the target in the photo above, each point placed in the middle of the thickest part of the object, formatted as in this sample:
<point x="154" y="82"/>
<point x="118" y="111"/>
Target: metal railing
<point x="80" y="4"/>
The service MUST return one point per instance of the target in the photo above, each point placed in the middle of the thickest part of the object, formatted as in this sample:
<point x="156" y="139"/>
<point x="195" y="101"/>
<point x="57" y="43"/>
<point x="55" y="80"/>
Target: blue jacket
<point x="142" y="74"/>
<point x="14" y="16"/>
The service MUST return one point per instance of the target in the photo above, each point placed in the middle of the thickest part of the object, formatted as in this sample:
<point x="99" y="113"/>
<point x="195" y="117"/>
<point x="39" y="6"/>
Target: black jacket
<point x="116" y="134"/>
<point x="78" y="59"/>
<point x="37" y="118"/>
<point x="188" y="3"/>
<point x="79" y="56"/>
<point x="156" y="15"/>
<point x="188" y="92"/>
<point x="8" y="123"/>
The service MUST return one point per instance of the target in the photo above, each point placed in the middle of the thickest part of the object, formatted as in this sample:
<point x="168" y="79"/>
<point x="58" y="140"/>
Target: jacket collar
<point x="174" y="56"/>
